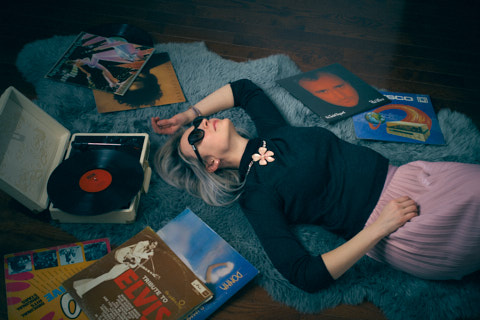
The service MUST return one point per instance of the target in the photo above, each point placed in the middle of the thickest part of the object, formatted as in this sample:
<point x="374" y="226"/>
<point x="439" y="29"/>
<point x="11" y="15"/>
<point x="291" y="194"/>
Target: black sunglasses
<point x="196" y="135"/>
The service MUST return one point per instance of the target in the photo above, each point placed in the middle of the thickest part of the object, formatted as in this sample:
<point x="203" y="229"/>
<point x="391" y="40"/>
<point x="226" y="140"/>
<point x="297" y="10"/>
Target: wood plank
<point x="400" y="45"/>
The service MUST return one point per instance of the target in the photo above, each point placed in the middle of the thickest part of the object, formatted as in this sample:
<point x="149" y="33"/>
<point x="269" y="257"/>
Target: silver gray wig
<point x="220" y="188"/>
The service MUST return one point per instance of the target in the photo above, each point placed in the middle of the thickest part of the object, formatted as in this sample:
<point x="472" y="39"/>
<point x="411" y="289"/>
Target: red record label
<point x="95" y="180"/>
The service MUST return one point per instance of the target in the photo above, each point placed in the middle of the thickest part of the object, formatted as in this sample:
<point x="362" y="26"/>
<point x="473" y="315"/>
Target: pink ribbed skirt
<point x="443" y="241"/>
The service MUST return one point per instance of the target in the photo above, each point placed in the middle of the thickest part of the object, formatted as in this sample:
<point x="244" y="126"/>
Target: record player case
<point x="33" y="144"/>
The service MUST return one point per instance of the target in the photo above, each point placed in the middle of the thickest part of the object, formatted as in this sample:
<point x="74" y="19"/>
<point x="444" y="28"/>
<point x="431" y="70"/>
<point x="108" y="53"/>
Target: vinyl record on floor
<point x="95" y="182"/>
<point x="123" y="31"/>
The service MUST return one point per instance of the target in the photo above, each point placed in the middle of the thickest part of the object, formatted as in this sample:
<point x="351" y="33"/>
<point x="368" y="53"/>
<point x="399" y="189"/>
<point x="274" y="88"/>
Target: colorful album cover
<point x="140" y="279"/>
<point x="156" y="85"/>
<point x="34" y="279"/>
<point x="333" y="92"/>
<point x="408" y="118"/>
<point x="96" y="62"/>
<point x="212" y="259"/>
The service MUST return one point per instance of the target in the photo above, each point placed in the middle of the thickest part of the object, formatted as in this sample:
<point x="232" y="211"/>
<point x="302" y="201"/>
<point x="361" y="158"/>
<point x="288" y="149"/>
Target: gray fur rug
<point x="200" y="72"/>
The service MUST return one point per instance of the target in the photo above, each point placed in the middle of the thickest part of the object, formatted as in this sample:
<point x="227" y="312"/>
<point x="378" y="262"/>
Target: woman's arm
<point x="308" y="272"/>
<point x="394" y="215"/>
<point x="259" y="107"/>
<point x="219" y="100"/>
<point x="242" y="93"/>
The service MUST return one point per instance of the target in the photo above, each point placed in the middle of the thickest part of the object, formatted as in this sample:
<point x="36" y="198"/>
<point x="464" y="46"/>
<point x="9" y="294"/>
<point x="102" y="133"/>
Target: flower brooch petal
<point x="264" y="156"/>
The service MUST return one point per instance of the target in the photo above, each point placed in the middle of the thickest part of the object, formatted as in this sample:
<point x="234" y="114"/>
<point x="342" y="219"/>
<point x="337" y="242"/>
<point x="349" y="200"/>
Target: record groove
<point x="95" y="182"/>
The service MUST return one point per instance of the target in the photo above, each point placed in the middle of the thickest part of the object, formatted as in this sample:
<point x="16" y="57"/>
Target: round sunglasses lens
<point x="197" y="121"/>
<point x="195" y="136"/>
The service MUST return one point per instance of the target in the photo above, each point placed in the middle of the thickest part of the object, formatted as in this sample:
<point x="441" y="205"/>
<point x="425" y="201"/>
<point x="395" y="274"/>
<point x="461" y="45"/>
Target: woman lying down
<point x="422" y="218"/>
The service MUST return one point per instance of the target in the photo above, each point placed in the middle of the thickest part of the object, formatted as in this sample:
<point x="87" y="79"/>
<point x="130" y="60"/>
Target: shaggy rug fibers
<point x="200" y="72"/>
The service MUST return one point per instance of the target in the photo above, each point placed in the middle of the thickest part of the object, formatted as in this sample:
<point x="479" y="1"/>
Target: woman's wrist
<point x="190" y="115"/>
<point x="377" y="230"/>
<point x="196" y="111"/>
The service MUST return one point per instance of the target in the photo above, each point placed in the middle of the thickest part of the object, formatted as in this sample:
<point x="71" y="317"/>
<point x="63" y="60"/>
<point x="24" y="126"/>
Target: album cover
<point x="333" y="92"/>
<point x="141" y="279"/>
<point x="34" y="279"/>
<point x="408" y="118"/>
<point x="96" y="62"/>
<point x="212" y="259"/>
<point x="156" y="85"/>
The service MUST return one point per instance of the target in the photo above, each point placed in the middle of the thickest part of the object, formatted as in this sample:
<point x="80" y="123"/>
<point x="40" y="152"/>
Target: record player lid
<point x="32" y="144"/>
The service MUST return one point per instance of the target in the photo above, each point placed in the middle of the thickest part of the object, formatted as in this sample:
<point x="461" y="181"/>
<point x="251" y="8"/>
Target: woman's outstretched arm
<point x="220" y="99"/>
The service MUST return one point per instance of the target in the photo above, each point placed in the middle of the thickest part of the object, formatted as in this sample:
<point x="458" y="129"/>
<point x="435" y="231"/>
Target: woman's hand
<point x="220" y="99"/>
<point x="395" y="214"/>
<point x="169" y="126"/>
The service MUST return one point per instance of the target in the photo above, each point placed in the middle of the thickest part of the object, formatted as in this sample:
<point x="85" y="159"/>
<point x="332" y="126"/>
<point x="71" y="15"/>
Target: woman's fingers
<point x="406" y="203"/>
<point x="162" y="126"/>
<point x="396" y="213"/>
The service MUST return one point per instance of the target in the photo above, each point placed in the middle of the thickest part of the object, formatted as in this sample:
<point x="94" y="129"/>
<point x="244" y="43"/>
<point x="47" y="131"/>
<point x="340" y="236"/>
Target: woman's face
<point x="332" y="89"/>
<point x="215" y="142"/>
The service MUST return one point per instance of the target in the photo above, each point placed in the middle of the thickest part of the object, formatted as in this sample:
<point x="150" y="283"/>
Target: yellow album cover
<point x="141" y="279"/>
<point x="156" y="85"/>
<point x="34" y="279"/>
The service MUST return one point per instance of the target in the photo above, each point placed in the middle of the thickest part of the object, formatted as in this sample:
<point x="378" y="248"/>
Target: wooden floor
<point x="400" y="45"/>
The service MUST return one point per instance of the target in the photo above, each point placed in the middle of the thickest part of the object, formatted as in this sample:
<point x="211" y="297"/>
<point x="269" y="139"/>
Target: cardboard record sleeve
<point x="33" y="144"/>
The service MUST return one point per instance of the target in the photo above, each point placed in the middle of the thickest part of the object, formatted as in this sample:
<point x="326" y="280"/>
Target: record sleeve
<point x="33" y="279"/>
<point x="215" y="261"/>
<point x="142" y="278"/>
<point x="410" y="118"/>
<point x="101" y="63"/>
<point x="333" y="92"/>
<point x="124" y="32"/>
<point x="156" y="85"/>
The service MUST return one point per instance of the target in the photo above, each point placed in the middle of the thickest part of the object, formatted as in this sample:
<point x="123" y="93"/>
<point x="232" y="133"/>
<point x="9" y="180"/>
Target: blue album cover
<point x="209" y="256"/>
<point x="408" y="118"/>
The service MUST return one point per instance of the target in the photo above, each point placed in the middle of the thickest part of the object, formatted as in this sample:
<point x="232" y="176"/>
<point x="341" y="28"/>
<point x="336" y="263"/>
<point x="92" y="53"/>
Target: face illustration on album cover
<point x="333" y="92"/>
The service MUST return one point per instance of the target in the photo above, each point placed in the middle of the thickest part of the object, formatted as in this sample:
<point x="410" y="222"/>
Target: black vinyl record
<point x="95" y="182"/>
<point x="125" y="31"/>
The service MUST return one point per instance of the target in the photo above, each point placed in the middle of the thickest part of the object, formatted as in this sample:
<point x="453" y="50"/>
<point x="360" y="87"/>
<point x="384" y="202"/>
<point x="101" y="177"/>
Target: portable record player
<point x="35" y="148"/>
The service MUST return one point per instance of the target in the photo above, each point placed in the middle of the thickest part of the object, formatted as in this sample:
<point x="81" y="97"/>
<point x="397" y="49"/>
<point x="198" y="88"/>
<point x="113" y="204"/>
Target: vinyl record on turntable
<point x="95" y="182"/>
<point x="123" y="31"/>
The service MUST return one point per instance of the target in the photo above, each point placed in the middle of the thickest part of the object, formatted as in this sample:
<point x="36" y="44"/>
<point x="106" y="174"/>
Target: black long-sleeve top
<point x="316" y="178"/>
